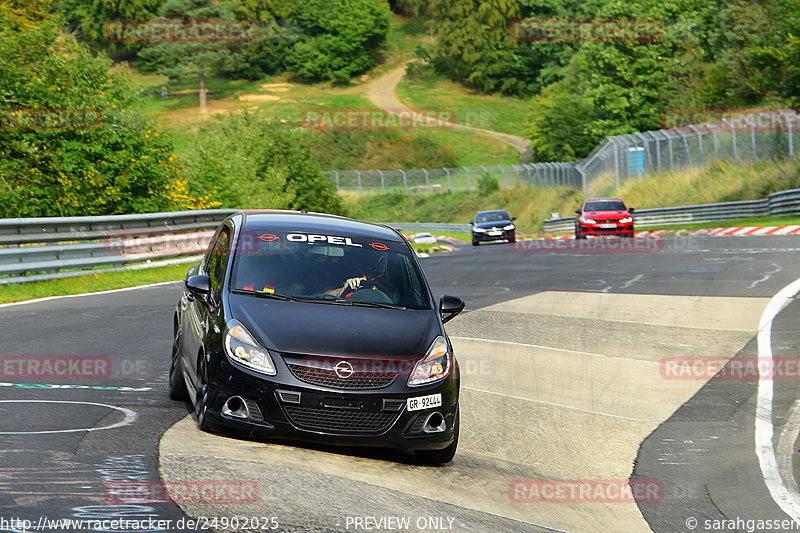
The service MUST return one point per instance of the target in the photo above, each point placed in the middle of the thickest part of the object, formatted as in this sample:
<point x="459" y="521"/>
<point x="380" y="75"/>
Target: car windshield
<point x="491" y="216"/>
<point x="608" y="205"/>
<point x="317" y="268"/>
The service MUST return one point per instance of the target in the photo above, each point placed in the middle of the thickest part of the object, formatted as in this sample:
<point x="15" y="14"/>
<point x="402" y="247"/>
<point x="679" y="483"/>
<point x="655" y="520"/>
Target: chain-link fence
<point x="741" y="137"/>
<point x="424" y="180"/>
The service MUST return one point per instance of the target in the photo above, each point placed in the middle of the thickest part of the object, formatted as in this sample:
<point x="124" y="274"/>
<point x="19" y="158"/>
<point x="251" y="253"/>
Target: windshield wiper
<point x="265" y="294"/>
<point x="375" y="304"/>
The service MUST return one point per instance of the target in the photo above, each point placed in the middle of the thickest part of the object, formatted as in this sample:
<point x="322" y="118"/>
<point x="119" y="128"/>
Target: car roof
<point x="606" y="199"/>
<point x="316" y="223"/>
<point x="491" y="211"/>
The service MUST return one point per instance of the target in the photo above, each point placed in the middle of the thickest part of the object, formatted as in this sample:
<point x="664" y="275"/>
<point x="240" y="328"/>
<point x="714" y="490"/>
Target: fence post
<point x="517" y="169"/>
<point x="671" y="158"/>
<point x="447" y="171"/>
<point x="383" y="182"/>
<point x="405" y="182"/>
<point x="616" y="166"/>
<point x="360" y="190"/>
<point x="699" y="143"/>
<point x="337" y="180"/>
<point x="469" y="185"/>
<point x="733" y="139"/>
<point x="584" y="184"/>
<point x="791" y="141"/>
<point x="427" y="180"/>
<point x="503" y="173"/>
<point x="716" y="145"/>
<point x="658" y="152"/>
<point x="753" y="140"/>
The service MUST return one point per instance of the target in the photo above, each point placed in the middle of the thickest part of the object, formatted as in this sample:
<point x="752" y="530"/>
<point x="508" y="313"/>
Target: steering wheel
<point x="371" y="285"/>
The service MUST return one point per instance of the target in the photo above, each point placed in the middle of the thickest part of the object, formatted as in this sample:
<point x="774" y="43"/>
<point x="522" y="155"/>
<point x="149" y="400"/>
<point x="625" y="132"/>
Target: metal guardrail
<point x="35" y="249"/>
<point x="776" y="204"/>
<point x="429" y="226"/>
<point x="46" y="248"/>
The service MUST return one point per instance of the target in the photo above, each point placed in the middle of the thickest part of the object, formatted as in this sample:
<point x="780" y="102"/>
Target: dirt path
<point x="381" y="92"/>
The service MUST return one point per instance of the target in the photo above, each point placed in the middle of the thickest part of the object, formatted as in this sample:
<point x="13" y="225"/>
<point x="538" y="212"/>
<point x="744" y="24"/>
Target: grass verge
<point x="17" y="292"/>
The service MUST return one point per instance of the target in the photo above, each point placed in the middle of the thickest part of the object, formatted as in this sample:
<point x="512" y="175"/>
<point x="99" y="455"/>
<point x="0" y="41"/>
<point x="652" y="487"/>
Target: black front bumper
<point x="284" y="407"/>
<point x="485" y="237"/>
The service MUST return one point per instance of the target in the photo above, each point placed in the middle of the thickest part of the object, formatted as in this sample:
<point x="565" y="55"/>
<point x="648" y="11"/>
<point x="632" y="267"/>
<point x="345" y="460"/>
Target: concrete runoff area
<point x="555" y="386"/>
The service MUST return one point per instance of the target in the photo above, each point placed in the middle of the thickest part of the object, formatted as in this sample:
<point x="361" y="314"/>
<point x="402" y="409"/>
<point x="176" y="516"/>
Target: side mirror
<point x="199" y="286"/>
<point x="577" y="211"/>
<point x="450" y="306"/>
<point x="513" y="218"/>
<point x="631" y="210"/>
<point x="471" y="222"/>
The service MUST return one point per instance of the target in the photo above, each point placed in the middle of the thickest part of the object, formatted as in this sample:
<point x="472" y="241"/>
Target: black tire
<point x="201" y="400"/>
<point x="579" y="235"/>
<point x="445" y="455"/>
<point x="512" y="239"/>
<point x="475" y="243"/>
<point x="177" y="385"/>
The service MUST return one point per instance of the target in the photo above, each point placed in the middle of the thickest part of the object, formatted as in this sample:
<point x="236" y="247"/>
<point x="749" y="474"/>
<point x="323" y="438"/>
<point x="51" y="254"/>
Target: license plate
<point x="608" y="226"/>
<point x="494" y="233"/>
<point x="424" y="402"/>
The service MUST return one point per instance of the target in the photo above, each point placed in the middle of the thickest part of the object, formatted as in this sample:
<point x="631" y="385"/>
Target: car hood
<point x="330" y="329"/>
<point x="495" y="224"/>
<point x="607" y="215"/>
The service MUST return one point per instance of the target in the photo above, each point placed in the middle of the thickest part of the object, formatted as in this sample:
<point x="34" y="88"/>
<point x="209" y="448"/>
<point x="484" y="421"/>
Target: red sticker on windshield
<point x="379" y="246"/>
<point x="268" y="237"/>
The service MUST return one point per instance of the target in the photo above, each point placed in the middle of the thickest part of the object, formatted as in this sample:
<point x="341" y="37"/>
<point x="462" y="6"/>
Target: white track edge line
<point x="764" y="429"/>
<point x="48" y="298"/>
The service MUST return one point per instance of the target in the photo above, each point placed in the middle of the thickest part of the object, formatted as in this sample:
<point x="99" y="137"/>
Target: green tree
<point x="181" y="57"/>
<point x="250" y="161"/>
<point x="90" y="18"/>
<point x="71" y="140"/>
<point x="340" y="38"/>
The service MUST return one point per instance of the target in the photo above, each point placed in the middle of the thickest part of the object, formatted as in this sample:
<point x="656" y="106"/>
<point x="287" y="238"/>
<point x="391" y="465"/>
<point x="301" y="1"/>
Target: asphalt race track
<point x="564" y="384"/>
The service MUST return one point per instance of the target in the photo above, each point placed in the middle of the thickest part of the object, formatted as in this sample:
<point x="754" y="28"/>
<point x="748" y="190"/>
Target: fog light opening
<point x="236" y="408"/>
<point x="434" y="423"/>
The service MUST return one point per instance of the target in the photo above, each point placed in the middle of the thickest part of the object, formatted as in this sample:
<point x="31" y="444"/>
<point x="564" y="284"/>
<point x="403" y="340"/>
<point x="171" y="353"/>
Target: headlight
<point x="478" y="230"/>
<point x="508" y="227"/>
<point x="435" y="366"/>
<point x="625" y="220"/>
<point x="587" y="220"/>
<point x="243" y="349"/>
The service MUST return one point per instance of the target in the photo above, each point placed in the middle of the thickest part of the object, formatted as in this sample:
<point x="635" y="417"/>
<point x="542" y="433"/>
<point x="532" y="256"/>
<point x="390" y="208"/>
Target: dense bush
<point x="249" y="161"/>
<point x="340" y="38"/>
<point x="71" y="140"/>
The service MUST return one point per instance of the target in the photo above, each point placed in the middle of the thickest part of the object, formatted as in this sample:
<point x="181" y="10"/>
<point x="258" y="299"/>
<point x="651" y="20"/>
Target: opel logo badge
<point x="343" y="369"/>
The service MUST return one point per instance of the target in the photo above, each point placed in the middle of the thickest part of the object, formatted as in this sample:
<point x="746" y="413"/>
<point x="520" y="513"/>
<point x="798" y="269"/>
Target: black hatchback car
<point x="317" y="328"/>
<point x="493" y="226"/>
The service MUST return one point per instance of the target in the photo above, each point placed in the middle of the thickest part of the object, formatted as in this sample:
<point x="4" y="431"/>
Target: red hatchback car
<point x="603" y="216"/>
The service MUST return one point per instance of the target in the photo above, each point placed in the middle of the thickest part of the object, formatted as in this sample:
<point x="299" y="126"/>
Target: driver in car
<point x="351" y="285"/>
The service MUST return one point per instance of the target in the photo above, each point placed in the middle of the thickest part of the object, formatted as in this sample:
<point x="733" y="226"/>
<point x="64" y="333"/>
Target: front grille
<point x="339" y="420"/>
<point x="328" y="378"/>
